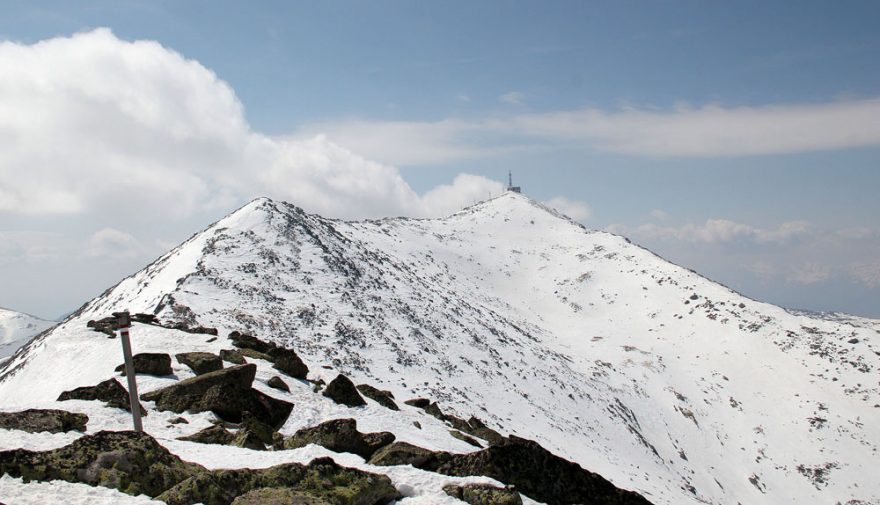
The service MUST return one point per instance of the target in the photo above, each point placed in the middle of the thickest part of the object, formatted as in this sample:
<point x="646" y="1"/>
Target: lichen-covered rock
<point x="341" y="390"/>
<point x="340" y="435"/>
<point x="200" y="362"/>
<point x="232" y="356"/>
<point x="276" y="383"/>
<point x="278" y="496"/>
<point x="150" y="363"/>
<point x="39" y="420"/>
<point x="110" y="392"/>
<point x="321" y="480"/>
<point x="287" y="361"/>
<point x="484" y="494"/>
<point x="382" y="397"/>
<point x="226" y="392"/>
<point x="250" y="353"/>
<point x="217" y="435"/>
<point x="131" y="462"/>
<point x="401" y="453"/>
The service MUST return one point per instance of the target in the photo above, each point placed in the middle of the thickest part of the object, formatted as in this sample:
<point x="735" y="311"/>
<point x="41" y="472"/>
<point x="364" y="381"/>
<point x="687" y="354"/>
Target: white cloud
<point x="578" y="211"/>
<point x="513" y="97"/>
<point x="708" y="131"/>
<point x="91" y="124"/>
<point x="717" y="231"/>
<point x="112" y="243"/>
<point x="808" y="273"/>
<point x="659" y="215"/>
<point x="867" y="273"/>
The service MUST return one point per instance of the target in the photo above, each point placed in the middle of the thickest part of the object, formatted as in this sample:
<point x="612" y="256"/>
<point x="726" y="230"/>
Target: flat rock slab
<point x="39" y="420"/>
<point x="150" y="363"/>
<point x="200" y="362"/>
<point x="110" y="392"/>
<point x="226" y="392"/>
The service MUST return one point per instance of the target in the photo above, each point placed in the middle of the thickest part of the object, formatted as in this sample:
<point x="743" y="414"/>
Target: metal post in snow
<point x="123" y="321"/>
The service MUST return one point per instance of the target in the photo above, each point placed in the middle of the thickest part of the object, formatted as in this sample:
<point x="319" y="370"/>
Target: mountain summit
<point x="644" y="372"/>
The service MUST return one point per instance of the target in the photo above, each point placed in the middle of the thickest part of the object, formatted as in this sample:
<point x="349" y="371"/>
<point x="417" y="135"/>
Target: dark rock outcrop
<point x="135" y="463"/>
<point x="278" y="496"/>
<point x="39" y="420"/>
<point x="227" y="393"/>
<point x="284" y="359"/>
<point x="150" y="363"/>
<point x="276" y="383"/>
<point x="341" y="390"/>
<point x="340" y="435"/>
<point x="232" y="356"/>
<point x="216" y="434"/>
<point x="110" y="392"/>
<point x="200" y="362"/>
<point x="419" y="403"/>
<point x="464" y="438"/>
<point x="484" y="494"/>
<point x="382" y="397"/>
<point x="106" y="325"/>
<point x="535" y="471"/>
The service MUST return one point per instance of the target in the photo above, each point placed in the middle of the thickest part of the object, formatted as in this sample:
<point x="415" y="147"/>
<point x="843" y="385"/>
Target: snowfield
<point x="644" y="372"/>
<point x="16" y="329"/>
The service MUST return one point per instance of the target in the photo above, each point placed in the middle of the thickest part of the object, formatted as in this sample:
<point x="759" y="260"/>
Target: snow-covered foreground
<point x="644" y="372"/>
<point x="16" y="329"/>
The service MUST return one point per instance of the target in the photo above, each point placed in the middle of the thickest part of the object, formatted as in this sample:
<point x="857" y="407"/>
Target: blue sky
<point x="739" y="139"/>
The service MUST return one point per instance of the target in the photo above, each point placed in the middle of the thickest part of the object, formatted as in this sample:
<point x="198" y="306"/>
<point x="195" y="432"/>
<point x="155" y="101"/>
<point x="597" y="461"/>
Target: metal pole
<point x="123" y="320"/>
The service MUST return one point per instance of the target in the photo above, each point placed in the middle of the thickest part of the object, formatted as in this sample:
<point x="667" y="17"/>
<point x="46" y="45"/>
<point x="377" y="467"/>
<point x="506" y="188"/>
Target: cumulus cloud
<point x="808" y="273"/>
<point x="112" y="243"/>
<point x="578" y="211"/>
<point x="707" y="131"/>
<point x="94" y="124"/>
<point x="867" y="273"/>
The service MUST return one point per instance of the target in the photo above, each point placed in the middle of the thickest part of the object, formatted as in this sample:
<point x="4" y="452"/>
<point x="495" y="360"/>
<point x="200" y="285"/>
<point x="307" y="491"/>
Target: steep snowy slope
<point x="16" y="329"/>
<point x="642" y="371"/>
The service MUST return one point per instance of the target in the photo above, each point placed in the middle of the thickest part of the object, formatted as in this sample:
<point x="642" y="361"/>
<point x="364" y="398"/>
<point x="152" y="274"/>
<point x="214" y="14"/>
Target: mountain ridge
<point x="634" y="367"/>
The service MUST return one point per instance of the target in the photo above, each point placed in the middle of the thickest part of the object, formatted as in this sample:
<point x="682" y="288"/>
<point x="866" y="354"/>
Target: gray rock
<point x="38" y="420"/>
<point x="200" y="362"/>
<point x="110" y="392"/>
<point x="340" y="435"/>
<point x="150" y="363"/>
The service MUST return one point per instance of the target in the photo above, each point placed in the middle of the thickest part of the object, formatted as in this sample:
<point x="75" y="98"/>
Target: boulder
<point x="401" y="453"/>
<point x="250" y="353"/>
<point x="341" y="390"/>
<point x="464" y="438"/>
<point x="150" y="363"/>
<point x="382" y="397"/>
<point x="278" y="496"/>
<point x="200" y="362"/>
<point x="243" y="340"/>
<point x="322" y="481"/>
<point x="216" y="434"/>
<point x="484" y="494"/>
<point x="226" y="392"/>
<point x="479" y="429"/>
<point x="276" y="383"/>
<point x="131" y="462"/>
<point x="288" y="362"/>
<point x="232" y="356"/>
<point x="38" y="420"/>
<point x="110" y="392"/>
<point x="340" y="435"/>
<point x="419" y="403"/>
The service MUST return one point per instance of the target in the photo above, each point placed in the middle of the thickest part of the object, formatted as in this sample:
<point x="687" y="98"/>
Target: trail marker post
<point x="123" y="321"/>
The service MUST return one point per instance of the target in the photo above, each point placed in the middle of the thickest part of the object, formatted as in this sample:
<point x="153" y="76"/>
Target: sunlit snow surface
<point x="16" y="329"/>
<point x="644" y="372"/>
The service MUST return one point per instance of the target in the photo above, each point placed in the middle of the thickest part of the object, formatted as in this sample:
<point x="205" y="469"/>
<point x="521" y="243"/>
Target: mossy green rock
<point x="277" y="496"/>
<point x="484" y="494"/>
<point x="340" y="435"/>
<point x="322" y="480"/>
<point x="39" y="420"/>
<point x="131" y="462"/>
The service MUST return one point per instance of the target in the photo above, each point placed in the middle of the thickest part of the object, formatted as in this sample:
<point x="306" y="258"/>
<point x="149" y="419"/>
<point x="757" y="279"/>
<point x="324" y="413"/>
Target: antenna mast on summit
<point x="510" y="186"/>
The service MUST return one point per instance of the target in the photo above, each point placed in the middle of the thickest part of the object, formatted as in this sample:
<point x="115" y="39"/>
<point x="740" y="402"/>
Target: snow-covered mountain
<point x="656" y="378"/>
<point x="16" y="329"/>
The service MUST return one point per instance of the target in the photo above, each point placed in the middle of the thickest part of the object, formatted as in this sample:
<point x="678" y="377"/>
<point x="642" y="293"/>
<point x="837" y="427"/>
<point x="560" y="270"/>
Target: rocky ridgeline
<point x="136" y="464"/>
